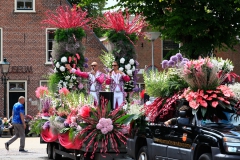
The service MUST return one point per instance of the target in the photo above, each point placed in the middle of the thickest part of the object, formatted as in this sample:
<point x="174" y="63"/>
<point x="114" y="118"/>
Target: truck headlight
<point x="231" y="145"/>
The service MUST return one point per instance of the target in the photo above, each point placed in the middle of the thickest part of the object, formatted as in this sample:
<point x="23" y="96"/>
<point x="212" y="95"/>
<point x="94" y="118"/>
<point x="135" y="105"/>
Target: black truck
<point x="198" y="140"/>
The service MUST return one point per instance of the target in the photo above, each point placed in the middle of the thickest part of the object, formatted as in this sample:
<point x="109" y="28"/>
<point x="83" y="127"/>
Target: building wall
<point x="24" y="45"/>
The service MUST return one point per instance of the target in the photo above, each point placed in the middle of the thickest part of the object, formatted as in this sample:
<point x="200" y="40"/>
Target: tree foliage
<point x="201" y="25"/>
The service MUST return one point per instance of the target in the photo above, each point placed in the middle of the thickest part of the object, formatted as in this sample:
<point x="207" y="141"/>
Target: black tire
<point x="50" y="150"/>
<point x="205" y="156"/>
<point x="56" y="156"/>
<point x="143" y="153"/>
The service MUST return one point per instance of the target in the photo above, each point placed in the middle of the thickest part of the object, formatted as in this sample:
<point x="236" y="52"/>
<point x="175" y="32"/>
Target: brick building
<point x="27" y="45"/>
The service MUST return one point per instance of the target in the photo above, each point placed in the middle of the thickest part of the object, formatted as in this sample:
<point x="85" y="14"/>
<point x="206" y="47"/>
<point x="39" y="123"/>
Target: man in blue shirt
<point x="19" y="124"/>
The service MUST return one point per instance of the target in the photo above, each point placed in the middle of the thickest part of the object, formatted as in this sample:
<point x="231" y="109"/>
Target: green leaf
<point x="125" y="119"/>
<point x="203" y="110"/>
<point x="64" y="130"/>
<point x="83" y="125"/>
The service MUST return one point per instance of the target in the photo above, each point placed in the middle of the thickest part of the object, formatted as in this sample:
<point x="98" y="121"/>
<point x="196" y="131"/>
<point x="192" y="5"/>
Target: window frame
<point x="179" y="45"/>
<point x="47" y="48"/>
<point x="25" y="10"/>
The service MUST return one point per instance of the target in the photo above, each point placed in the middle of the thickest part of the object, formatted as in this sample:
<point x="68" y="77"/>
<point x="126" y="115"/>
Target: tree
<point x="201" y="25"/>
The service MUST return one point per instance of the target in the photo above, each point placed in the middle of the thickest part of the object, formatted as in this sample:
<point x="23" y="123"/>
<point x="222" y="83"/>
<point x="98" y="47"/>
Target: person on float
<point x="116" y="80"/>
<point x="95" y="79"/>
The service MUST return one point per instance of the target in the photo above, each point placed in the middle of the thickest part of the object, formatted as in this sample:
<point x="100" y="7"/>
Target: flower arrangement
<point x="122" y="34"/>
<point x="197" y="82"/>
<point x="71" y="117"/>
<point x="104" y="126"/>
<point x="67" y="47"/>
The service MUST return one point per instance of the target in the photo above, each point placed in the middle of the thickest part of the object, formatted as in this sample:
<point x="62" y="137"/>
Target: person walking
<point x="95" y="79"/>
<point x="19" y="124"/>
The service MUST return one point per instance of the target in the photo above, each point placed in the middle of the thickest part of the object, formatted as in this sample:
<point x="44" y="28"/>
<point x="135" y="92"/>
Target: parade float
<point x="195" y="113"/>
<point x="69" y="122"/>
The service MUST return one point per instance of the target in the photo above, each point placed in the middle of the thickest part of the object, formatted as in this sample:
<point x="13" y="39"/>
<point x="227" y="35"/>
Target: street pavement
<point x="36" y="151"/>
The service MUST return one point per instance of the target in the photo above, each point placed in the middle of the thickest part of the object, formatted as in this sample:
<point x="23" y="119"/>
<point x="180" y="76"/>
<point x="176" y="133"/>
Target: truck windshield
<point x="232" y="121"/>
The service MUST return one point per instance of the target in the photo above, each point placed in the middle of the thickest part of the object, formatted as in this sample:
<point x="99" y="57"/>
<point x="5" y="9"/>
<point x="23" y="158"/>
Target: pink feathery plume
<point x="66" y="17"/>
<point x="117" y="22"/>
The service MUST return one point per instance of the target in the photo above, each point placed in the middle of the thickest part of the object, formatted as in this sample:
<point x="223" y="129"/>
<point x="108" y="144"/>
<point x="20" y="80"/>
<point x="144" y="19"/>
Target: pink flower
<point x="109" y="128"/>
<point x="84" y="111"/>
<point x="214" y="104"/>
<point x="80" y="86"/>
<point x="41" y="91"/>
<point x="64" y="91"/>
<point x="104" y="131"/>
<point x="73" y="119"/>
<point x="193" y="104"/>
<point x="99" y="126"/>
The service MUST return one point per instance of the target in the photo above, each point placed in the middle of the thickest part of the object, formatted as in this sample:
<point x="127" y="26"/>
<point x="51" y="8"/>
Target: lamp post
<point x="5" y="68"/>
<point x="152" y="36"/>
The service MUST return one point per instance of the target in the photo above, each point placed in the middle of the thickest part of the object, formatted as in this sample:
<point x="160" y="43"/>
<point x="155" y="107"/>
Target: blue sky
<point x="111" y="3"/>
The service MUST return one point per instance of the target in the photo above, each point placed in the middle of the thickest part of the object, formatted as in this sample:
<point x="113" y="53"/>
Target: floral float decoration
<point x="67" y="46"/>
<point x="197" y="83"/>
<point x="123" y="32"/>
<point x="73" y="120"/>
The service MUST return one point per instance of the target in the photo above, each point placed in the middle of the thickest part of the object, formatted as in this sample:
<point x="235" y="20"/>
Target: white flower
<point x="129" y="72"/>
<point x="125" y="107"/>
<point x="230" y="67"/>
<point x="220" y="64"/>
<point x="127" y="67"/>
<point x="64" y="59"/>
<point x="121" y="69"/>
<point x="65" y="84"/>
<point x="131" y="61"/>
<point x="57" y="64"/>
<point x="55" y="70"/>
<point x="59" y="85"/>
<point x="73" y="77"/>
<point x="133" y="68"/>
<point x="122" y="60"/>
<point x="67" y="78"/>
<point x="70" y="85"/>
<point x="62" y="68"/>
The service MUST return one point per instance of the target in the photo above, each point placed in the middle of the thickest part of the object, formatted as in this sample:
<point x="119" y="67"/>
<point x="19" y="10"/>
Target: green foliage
<point x="163" y="84"/>
<point x="200" y="25"/>
<point x="36" y="126"/>
<point x="64" y="34"/>
<point x="53" y="80"/>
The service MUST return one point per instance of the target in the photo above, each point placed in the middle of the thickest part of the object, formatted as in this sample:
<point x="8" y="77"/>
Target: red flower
<point x="66" y="17"/>
<point x="118" y="22"/>
<point x="84" y="111"/>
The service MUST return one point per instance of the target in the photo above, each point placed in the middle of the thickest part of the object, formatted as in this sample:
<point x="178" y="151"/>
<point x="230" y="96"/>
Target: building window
<point x="24" y="5"/>
<point x="169" y="45"/>
<point x="49" y="44"/>
<point x="1" y="42"/>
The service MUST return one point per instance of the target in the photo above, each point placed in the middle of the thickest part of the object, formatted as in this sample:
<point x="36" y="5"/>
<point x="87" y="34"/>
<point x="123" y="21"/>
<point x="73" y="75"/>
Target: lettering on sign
<point x="171" y="143"/>
<point x="20" y="69"/>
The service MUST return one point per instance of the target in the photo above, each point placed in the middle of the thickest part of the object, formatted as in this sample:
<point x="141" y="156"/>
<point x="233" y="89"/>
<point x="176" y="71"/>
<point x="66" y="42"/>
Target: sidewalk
<point x="36" y="150"/>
